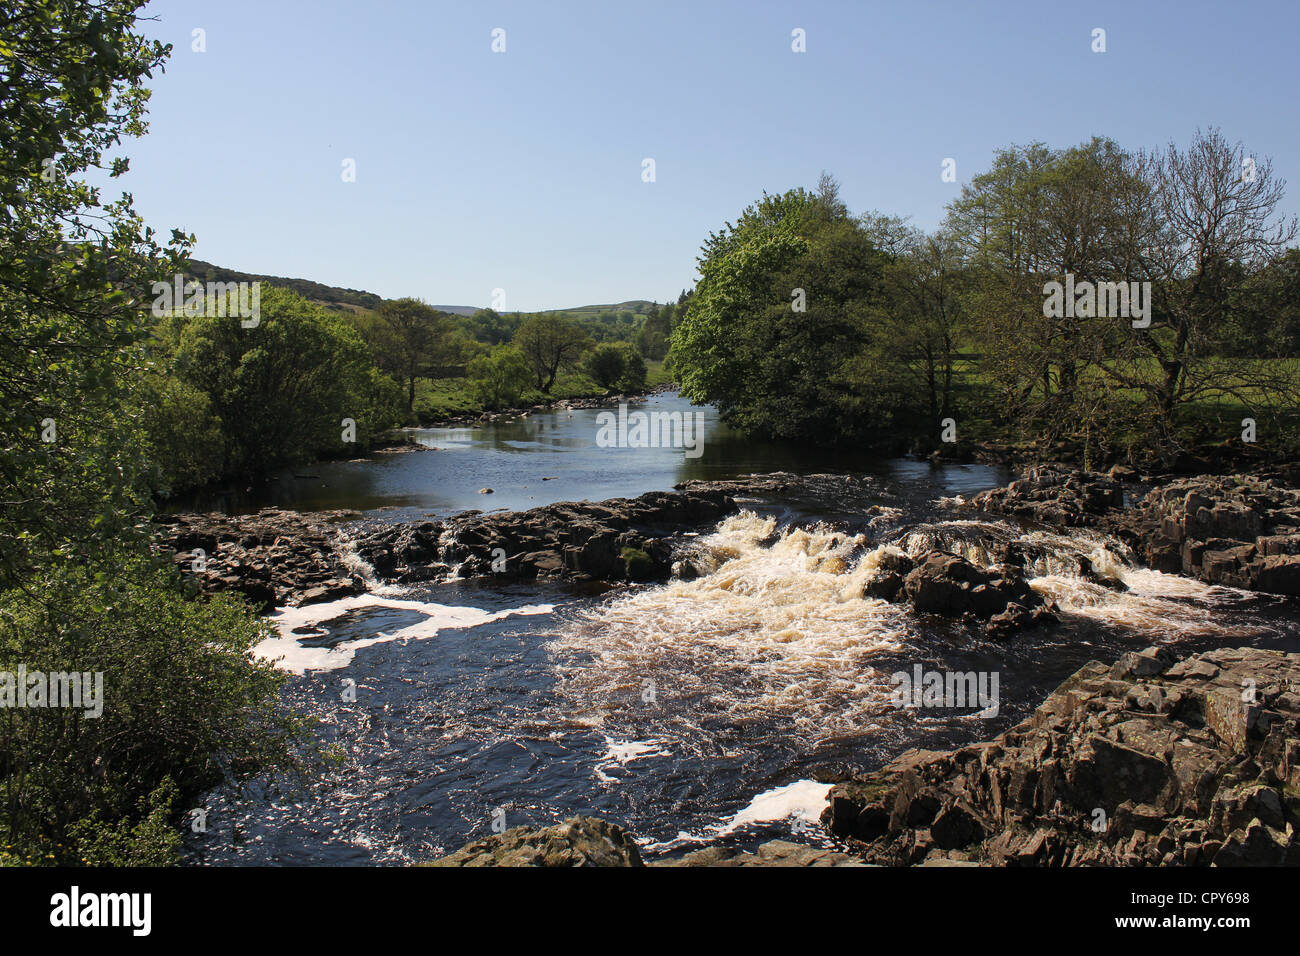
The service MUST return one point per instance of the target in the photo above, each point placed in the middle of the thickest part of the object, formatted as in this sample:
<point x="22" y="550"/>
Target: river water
<point x="694" y="712"/>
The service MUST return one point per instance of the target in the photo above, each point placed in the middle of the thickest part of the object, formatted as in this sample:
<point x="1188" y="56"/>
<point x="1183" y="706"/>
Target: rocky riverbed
<point x="1157" y="759"/>
<point x="1147" y="761"/>
<point x="1237" y="530"/>
<point x="277" y="558"/>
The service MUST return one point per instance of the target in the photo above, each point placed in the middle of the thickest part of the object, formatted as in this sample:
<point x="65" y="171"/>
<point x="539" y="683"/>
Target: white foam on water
<point x="779" y="628"/>
<point x="802" y="800"/>
<point x="620" y="754"/>
<point x="288" y="654"/>
<point x="1156" y="604"/>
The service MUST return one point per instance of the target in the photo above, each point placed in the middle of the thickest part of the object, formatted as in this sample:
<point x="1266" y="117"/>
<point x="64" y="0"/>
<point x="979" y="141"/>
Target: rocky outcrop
<point x="616" y="540"/>
<point x="590" y="841"/>
<point x="1234" y="530"/>
<point x="1057" y="495"/>
<point x="281" y="557"/>
<point x="1000" y="598"/>
<point x="578" y="841"/>
<point x="782" y="484"/>
<point x="772" y="853"/>
<point x="1148" y="761"/>
<point x="272" y="558"/>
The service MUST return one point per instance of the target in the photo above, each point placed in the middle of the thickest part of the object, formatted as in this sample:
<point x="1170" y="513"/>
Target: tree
<point x="74" y="272"/>
<point x="922" y="309"/>
<point x="634" y="371"/>
<point x="284" y="388"/>
<point x="1195" y="225"/>
<point x="606" y="363"/>
<point x="548" y="344"/>
<point x="1219" y="226"/>
<point x="1267" y="311"/>
<point x="490" y="327"/>
<point x="500" y="377"/>
<point x="79" y="587"/>
<point x="410" y="338"/>
<point x="652" y="338"/>
<point x="778" y="331"/>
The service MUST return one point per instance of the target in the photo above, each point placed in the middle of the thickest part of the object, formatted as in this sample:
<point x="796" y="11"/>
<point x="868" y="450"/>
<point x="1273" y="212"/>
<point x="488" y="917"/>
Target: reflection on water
<point x="549" y="457"/>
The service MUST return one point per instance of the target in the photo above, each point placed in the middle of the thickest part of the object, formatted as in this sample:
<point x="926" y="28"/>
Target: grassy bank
<point x="437" y="399"/>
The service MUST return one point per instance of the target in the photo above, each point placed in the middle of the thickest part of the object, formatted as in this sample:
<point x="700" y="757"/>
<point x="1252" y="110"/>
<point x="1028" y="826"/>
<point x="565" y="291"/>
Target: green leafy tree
<point x="499" y="378"/>
<point x="75" y="268"/>
<point x="922" y="312"/>
<point x="411" y="338"/>
<point x="548" y="344"/>
<point x="183" y="436"/>
<point x="605" y="363"/>
<point x="633" y="378"/>
<point x="778" y="334"/>
<point x="182" y="697"/>
<point x="285" y="388"/>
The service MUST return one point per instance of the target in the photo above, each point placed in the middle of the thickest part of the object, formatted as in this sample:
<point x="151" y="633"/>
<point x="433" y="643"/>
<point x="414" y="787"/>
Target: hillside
<point x="332" y="297"/>
<point x="341" y="299"/>
<point x="637" y="306"/>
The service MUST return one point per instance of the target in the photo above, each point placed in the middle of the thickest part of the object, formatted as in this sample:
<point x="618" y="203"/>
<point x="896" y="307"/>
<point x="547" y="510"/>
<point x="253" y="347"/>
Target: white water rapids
<point x="779" y="629"/>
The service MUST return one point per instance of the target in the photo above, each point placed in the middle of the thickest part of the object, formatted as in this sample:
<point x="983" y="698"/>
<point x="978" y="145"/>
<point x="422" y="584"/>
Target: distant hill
<point x="458" y="309"/>
<point x="332" y="297"/>
<point x="351" y="300"/>
<point x="639" y="306"/>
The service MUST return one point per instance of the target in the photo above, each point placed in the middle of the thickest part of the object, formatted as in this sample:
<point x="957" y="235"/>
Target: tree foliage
<point x="778" y="332"/>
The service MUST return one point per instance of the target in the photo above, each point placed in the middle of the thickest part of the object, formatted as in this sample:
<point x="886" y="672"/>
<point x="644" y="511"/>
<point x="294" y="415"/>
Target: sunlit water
<point x="694" y="712"/>
<point x="543" y="458"/>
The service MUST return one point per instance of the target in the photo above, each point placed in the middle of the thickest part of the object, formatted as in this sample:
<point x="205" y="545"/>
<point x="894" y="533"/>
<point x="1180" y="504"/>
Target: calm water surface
<point x="549" y="457"/>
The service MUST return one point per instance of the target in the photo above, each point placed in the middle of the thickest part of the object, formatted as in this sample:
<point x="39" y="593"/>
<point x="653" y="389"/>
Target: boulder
<point x="578" y="841"/>
<point x="949" y="585"/>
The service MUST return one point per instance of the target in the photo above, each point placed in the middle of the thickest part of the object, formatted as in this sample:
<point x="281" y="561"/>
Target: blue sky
<point x="522" y="170"/>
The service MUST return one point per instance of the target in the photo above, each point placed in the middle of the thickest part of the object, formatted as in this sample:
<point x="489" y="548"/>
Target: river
<point x="694" y="712"/>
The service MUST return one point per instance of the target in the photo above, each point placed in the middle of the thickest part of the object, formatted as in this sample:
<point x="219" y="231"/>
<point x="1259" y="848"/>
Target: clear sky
<point x="522" y="170"/>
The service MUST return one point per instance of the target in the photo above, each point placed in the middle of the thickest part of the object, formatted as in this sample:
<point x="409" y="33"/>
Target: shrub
<point x="185" y="706"/>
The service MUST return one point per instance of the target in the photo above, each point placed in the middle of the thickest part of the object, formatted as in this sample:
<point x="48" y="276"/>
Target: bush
<point x="185" y="706"/>
<point x="633" y="378"/>
<point x="606" y="364"/>
<point x="284" y="388"/>
<point x="499" y="378"/>
<point x="182" y="435"/>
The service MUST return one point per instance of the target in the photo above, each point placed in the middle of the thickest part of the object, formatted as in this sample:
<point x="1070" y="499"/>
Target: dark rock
<point x="943" y="583"/>
<point x="578" y="841"/>
<point x="891" y="570"/>
<point x="273" y="557"/>
<point x="1089" y="779"/>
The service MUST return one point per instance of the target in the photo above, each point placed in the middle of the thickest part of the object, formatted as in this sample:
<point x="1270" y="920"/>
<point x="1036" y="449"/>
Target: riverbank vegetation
<point x="319" y="379"/>
<point x="809" y="322"/>
<point x="124" y="697"/>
